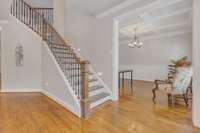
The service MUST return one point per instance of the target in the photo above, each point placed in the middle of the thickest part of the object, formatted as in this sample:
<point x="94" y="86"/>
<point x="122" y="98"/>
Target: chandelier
<point x="135" y="42"/>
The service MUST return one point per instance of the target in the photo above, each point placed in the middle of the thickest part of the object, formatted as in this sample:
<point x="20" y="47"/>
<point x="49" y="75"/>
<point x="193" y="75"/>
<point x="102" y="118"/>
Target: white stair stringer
<point x="76" y="100"/>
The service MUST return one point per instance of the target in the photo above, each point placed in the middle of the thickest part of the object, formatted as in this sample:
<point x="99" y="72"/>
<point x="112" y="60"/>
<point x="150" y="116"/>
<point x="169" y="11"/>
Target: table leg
<point x="119" y="81"/>
<point x="123" y="80"/>
<point x="131" y="80"/>
<point x="171" y="100"/>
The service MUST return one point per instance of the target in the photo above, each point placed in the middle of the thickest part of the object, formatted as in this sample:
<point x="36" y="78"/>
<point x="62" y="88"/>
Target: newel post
<point x="85" y="103"/>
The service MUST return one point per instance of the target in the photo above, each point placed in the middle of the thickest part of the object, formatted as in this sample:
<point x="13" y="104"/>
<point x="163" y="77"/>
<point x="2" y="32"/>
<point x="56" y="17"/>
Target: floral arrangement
<point x="181" y="62"/>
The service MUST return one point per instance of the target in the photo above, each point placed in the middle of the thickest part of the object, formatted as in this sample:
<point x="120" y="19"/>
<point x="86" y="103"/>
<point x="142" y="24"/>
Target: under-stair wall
<point x="40" y="71"/>
<point x="55" y="84"/>
<point x="4" y="10"/>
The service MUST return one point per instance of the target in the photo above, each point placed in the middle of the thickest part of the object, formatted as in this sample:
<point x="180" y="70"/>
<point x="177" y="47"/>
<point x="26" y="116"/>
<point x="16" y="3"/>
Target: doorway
<point x="177" y="48"/>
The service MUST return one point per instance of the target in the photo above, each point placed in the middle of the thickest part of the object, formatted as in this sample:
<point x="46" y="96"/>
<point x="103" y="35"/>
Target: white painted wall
<point x="54" y="84"/>
<point x="150" y="61"/>
<point x="4" y="9"/>
<point x="196" y="63"/>
<point x="0" y="48"/>
<point x="59" y="16"/>
<point x="29" y="76"/>
<point x="79" y="30"/>
<point x="94" y="38"/>
<point x="40" y="72"/>
<point x="101" y="49"/>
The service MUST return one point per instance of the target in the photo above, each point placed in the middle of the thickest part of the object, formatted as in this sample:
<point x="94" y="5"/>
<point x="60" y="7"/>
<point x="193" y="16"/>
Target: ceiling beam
<point x="153" y="5"/>
<point x="116" y="8"/>
<point x="132" y="21"/>
<point x="173" y="25"/>
<point x="157" y="18"/>
<point x="169" y="34"/>
<point x="163" y="27"/>
<point x="149" y="20"/>
<point x="173" y="13"/>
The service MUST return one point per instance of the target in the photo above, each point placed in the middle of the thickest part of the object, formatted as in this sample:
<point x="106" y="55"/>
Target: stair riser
<point x="92" y="77"/>
<point x="101" y="101"/>
<point x="96" y="92"/>
<point x="93" y="83"/>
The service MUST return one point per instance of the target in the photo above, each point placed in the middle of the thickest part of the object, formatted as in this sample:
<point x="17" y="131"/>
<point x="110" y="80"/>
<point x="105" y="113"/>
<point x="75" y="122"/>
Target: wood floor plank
<point x="133" y="113"/>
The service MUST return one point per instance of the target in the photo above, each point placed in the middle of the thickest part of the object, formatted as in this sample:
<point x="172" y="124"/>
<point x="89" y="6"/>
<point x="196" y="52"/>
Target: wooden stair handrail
<point x="79" y="61"/>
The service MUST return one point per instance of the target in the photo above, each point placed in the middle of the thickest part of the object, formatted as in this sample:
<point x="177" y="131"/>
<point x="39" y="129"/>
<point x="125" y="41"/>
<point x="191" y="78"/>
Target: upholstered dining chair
<point x="175" y="88"/>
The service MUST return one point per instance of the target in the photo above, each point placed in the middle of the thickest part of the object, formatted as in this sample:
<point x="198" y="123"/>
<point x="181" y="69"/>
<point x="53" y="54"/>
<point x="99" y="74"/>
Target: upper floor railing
<point x="74" y="68"/>
<point x="47" y="13"/>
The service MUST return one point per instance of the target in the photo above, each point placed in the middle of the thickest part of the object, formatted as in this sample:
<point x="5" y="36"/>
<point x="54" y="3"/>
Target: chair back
<point x="183" y="78"/>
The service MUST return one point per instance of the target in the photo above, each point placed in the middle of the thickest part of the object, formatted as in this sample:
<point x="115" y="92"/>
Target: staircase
<point x="86" y="84"/>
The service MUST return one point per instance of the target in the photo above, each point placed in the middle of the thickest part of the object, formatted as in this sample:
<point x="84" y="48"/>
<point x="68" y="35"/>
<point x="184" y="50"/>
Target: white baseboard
<point x="60" y="102"/>
<point x="19" y="90"/>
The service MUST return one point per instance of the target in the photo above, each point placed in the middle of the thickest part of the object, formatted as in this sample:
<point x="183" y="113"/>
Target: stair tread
<point x="90" y="73"/>
<point x="93" y="80"/>
<point x="71" y="57"/>
<point x="59" y="47"/>
<point x="61" y="52"/>
<point x="98" y="97"/>
<point x="73" y="68"/>
<point x="64" y="57"/>
<point x="97" y="87"/>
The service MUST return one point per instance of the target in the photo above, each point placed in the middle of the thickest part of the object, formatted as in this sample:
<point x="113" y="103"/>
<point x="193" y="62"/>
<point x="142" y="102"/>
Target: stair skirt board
<point x="76" y="101"/>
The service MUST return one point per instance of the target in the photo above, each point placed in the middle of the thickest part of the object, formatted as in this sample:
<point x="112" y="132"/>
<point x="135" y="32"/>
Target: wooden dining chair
<point x="177" y="88"/>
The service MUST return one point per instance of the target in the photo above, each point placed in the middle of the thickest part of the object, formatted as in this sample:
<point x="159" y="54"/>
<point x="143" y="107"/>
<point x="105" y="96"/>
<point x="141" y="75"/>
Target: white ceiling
<point x="150" y="17"/>
<point x="95" y="6"/>
<point x="166" y="19"/>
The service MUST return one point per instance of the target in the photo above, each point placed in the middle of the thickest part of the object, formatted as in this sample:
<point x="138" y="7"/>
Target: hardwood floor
<point x="133" y="113"/>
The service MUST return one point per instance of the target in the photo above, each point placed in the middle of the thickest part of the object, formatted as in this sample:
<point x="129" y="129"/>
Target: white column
<point x="115" y="58"/>
<point x="196" y="62"/>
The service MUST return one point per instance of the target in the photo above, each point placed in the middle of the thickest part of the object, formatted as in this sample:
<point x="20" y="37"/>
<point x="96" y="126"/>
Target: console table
<point x="122" y="72"/>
